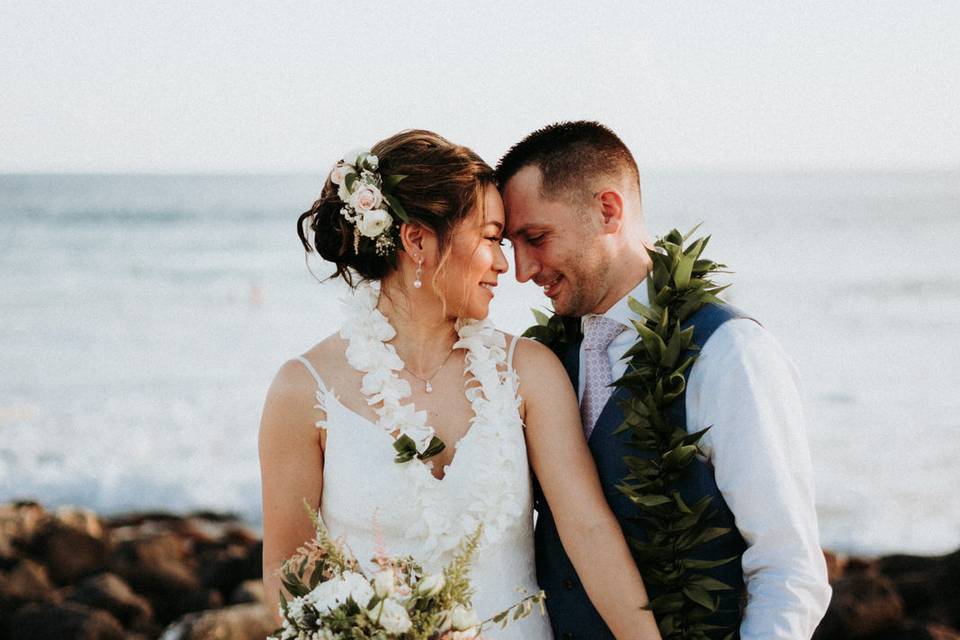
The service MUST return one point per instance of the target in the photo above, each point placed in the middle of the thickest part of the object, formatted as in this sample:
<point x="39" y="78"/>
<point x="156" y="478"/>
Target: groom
<point x="574" y="216"/>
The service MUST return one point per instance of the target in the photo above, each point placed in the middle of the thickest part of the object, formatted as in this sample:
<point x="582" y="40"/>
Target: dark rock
<point x="940" y="632"/>
<point x="67" y="621"/>
<point x="862" y="606"/>
<point x="928" y="585"/>
<point x="249" y="591"/>
<point x="157" y="565"/>
<point x="226" y="567"/>
<point x="216" y="529"/>
<point x="110" y="593"/>
<point x="69" y="553"/>
<point x="161" y="569"/>
<point x="239" y="622"/>
<point x="836" y="565"/>
<point x="26" y="582"/>
<point x="18" y="524"/>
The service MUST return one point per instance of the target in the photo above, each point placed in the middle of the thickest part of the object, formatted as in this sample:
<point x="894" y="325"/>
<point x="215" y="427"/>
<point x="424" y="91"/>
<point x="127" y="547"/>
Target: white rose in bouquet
<point x="334" y="593"/>
<point x="430" y="585"/>
<point x="383" y="583"/>
<point x="332" y="596"/>
<point x="373" y="223"/>
<point x="390" y="615"/>
<point x="358" y="588"/>
<point x="463" y="618"/>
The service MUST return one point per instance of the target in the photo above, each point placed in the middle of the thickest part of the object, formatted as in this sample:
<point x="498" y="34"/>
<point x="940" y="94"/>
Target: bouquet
<point x="334" y="599"/>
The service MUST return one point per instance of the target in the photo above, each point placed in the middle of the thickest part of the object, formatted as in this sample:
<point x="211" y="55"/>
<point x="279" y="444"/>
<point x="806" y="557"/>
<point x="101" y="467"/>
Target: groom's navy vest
<point x="571" y="612"/>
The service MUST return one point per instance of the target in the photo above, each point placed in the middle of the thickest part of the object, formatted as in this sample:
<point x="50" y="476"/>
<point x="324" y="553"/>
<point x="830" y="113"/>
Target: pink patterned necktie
<point x="599" y="333"/>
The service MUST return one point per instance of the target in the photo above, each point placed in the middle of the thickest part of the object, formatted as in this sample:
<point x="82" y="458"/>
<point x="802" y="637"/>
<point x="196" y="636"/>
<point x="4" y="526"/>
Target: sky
<point x="144" y="86"/>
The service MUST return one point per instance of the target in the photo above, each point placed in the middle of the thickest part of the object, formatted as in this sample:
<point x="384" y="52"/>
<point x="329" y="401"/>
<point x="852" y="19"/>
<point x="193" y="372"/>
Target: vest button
<point x="568" y="636"/>
<point x="568" y="585"/>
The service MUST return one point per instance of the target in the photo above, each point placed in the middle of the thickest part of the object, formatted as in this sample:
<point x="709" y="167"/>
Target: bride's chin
<point x="476" y="314"/>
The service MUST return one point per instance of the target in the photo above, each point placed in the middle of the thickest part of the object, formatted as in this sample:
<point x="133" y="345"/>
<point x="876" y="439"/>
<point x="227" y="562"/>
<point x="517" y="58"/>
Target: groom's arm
<point x="745" y="388"/>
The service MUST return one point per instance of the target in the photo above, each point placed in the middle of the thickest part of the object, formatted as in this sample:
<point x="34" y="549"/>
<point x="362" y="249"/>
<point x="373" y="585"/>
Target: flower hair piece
<point x="367" y="200"/>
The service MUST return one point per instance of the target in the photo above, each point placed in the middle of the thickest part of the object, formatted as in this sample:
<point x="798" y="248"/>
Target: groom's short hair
<point x="569" y="155"/>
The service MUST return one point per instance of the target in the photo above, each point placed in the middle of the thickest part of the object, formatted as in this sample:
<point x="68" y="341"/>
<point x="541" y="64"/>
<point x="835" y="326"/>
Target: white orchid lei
<point x="367" y="332"/>
<point x="367" y="199"/>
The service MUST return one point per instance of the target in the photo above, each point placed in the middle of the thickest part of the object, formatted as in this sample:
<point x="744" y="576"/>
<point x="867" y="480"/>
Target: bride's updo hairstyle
<point x="443" y="183"/>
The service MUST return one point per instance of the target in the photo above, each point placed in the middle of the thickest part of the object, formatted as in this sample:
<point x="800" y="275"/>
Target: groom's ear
<point x="611" y="210"/>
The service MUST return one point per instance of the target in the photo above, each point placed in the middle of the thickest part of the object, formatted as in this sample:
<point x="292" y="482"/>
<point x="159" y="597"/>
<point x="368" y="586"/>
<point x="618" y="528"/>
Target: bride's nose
<point x="500" y="264"/>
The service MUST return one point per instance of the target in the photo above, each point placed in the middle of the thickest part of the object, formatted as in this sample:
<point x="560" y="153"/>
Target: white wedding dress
<point x="369" y="499"/>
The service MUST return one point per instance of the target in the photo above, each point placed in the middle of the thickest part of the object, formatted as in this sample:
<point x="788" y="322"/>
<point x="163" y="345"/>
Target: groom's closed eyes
<point x="530" y="235"/>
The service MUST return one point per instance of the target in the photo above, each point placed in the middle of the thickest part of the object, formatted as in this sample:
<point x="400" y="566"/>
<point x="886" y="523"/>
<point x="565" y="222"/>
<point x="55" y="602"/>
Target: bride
<point x="419" y="420"/>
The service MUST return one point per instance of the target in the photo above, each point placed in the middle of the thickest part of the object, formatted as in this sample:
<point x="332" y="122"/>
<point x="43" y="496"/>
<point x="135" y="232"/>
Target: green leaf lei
<point x="678" y="286"/>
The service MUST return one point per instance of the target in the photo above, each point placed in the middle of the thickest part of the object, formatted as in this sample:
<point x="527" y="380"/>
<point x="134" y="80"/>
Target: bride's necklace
<point x="427" y="387"/>
<point x="368" y="332"/>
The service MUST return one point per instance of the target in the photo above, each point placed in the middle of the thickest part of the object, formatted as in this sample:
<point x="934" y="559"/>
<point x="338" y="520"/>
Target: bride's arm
<point x="590" y="533"/>
<point x="291" y="469"/>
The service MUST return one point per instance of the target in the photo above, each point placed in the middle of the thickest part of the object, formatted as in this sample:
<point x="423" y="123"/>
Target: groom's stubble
<point x="587" y="275"/>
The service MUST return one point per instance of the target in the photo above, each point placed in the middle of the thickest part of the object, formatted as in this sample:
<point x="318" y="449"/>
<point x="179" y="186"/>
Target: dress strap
<point x="313" y="372"/>
<point x="510" y="350"/>
<point x="322" y="391"/>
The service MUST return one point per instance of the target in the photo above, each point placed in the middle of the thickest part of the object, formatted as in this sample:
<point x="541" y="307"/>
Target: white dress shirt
<point x="746" y="388"/>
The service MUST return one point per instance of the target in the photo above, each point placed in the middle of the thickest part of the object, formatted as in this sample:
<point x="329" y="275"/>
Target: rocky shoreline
<point x="71" y="574"/>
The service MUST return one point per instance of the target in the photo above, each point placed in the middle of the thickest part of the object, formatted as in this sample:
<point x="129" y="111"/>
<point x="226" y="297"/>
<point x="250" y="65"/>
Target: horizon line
<point x="813" y="170"/>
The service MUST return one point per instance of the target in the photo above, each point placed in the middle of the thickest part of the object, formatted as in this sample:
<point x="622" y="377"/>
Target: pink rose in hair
<point x="366" y="198"/>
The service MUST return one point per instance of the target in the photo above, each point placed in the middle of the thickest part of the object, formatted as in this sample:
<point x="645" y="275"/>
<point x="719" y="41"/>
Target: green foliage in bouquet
<point x="679" y="285"/>
<point x="334" y="600"/>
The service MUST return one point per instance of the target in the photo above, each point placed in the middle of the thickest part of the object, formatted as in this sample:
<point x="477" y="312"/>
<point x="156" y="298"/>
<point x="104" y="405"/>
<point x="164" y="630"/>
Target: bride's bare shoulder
<point x="328" y="354"/>
<point x="294" y="384"/>
<point x="530" y="354"/>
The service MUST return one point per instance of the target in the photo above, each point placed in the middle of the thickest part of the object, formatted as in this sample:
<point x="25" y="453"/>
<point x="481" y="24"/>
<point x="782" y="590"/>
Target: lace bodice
<point x="368" y="498"/>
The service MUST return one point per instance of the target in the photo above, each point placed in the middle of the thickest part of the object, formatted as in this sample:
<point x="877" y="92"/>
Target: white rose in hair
<point x="350" y="157"/>
<point x="371" y="161"/>
<point x="366" y="198"/>
<point x="391" y="615"/>
<point x="339" y="174"/>
<point x="374" y="222"/>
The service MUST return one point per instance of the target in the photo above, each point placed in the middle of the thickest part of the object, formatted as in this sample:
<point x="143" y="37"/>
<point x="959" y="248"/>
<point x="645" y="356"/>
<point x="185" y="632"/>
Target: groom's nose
<point x="527" y="267"/>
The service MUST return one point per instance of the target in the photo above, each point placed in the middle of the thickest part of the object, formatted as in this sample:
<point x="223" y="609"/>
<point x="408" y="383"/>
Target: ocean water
<point x="143" y="317"/>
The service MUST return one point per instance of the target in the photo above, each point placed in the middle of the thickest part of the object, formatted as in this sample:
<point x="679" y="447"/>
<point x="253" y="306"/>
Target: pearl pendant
<point x="429" y="388"/>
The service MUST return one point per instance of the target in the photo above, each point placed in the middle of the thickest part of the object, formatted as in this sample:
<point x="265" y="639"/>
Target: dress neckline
<point x="367" y="332"/>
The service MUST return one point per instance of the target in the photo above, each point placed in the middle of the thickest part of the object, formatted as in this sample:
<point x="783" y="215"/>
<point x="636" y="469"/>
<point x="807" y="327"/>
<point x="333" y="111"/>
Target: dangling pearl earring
<point x="416" y="283"/>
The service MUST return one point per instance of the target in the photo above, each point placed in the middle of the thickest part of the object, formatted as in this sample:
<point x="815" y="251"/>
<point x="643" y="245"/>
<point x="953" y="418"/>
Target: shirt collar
<point x="621" y="311"/>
